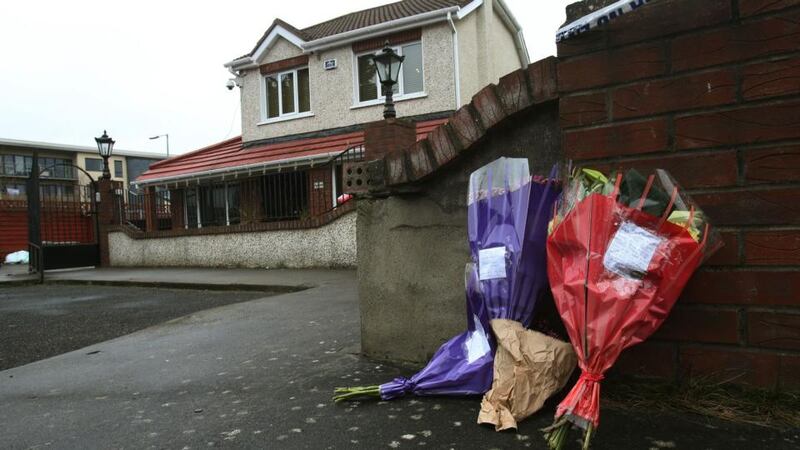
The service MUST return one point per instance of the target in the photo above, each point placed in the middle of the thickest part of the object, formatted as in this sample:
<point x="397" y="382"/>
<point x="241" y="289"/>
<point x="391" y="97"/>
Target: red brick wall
<point x="387" y="136"/>
<point x="177" y="208"/>
<point x="710" y="91"/>
<point x="320" y="194"/>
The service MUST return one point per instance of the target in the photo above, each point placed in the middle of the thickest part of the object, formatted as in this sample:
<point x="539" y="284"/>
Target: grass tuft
<point x="722" y="400"/>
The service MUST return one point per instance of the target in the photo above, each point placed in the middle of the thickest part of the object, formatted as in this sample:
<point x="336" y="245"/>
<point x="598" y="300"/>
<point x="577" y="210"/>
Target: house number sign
<point x="329" y="64"/>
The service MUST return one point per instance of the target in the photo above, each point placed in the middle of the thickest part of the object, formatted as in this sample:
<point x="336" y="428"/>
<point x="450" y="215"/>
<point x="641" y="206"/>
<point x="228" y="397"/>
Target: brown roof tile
<point x="379" y="14"/>
<point x="363" y="18"/>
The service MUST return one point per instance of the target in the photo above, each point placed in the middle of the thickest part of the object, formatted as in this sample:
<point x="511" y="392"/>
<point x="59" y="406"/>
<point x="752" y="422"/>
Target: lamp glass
<point x="105" y="145"/>
<point x="388" y="64"/>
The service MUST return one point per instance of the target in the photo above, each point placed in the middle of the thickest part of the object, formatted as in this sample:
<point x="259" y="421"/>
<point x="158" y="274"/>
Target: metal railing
<point x="68" y="218"/>
<point x="36" y="261"/>
<point x="352" y="154"/>
<point x="135" y="207"/>
<point x="285" y="195"/>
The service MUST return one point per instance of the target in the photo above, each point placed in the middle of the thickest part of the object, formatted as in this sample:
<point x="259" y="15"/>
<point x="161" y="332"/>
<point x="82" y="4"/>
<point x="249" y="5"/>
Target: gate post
<point x="34" y="219"/>
<point x="105" y="216"/>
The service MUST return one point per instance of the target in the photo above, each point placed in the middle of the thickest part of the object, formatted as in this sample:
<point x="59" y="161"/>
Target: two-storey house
<point x="307" y="93"/>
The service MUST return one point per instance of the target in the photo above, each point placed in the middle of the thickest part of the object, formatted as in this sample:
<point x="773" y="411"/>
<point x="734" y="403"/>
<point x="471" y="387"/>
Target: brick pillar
<point x="320" y="197"/>
<point x="251" y="206"/>
<point x="106" y="216"/>
<point x="386" y="136"/>
<point x="176" y="208"/>
<point x="150" y="216"/>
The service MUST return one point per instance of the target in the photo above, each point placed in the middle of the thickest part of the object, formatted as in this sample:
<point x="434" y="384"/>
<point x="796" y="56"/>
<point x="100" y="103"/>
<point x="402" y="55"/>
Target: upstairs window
<point x="94" y="164"/>
<point x="20" y="165"/>
<point x="411" y="75"/>
<point x="286" y="94"/>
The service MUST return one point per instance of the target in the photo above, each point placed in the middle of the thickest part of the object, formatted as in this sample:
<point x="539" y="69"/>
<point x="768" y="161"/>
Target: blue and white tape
<point x="599" y="18"/>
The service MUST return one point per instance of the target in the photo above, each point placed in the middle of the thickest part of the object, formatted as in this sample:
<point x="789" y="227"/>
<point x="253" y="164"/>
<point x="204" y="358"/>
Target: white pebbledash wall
<point x="332" y="91"/>
<point x="486" y="50"/>
<point x="330" y="246"/>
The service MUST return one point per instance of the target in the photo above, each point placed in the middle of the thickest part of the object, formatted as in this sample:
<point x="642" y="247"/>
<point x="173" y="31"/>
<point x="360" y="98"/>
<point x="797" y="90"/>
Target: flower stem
<point x="587" y="438"/>
<point x="556" y="434"/>
<point x="352" y="393"/>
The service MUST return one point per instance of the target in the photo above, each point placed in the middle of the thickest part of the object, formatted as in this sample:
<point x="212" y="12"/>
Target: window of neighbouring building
<point x="285" y="195"/>
<point x="16" y="165"/>
<point x="94" y="164"/>
<point x="12" y="191"/>
<point x="118" y="169"/>
<point x="56" y="168"/>
<point x="20" y="165"/>
<point x="212" y="205"/>
<point x="137" y="166"/>
<point x="410" y="79"/>
<point x="286" y="94"/>
<point x="57" y="191"/>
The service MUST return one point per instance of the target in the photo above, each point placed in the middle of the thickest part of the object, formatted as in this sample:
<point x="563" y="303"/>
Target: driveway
<point x="260" y="374"/>
<point x="41" y="321"/>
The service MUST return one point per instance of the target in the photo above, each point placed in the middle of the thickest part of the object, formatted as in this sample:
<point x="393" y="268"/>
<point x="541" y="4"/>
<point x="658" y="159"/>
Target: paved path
<point x="259" y="374"/>
<point x="15" y="273"/>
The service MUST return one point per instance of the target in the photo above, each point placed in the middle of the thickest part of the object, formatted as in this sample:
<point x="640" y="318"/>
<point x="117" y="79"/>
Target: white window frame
<point x="196" y="190"/>
<point x="281" y="115"/>
<point x="401" y="95"/>
<point x="334" y="194"/>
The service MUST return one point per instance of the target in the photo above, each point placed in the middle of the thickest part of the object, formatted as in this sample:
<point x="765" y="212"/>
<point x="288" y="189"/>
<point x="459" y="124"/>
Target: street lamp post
<point x="105" y="146"/>
<point x="388" y="64"/>
<point x="163" y="135"/>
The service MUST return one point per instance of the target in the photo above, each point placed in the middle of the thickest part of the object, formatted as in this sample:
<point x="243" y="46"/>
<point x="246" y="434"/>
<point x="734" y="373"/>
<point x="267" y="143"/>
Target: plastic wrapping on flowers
<point x="461" y="366"/>
<point x="508" y="212"/>
<point x="620" y="251"/>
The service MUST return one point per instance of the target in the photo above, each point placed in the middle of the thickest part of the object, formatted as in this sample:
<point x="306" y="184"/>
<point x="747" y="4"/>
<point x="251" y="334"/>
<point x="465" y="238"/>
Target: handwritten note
<point x="630" y="251"/>
<point x="492" y="263"/>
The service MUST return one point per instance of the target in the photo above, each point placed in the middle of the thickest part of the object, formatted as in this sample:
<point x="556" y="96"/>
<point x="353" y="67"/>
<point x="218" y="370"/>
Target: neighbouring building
<point x="307" y="96"/>
<point x="56" y="161"/>
<point x="60" y="179"/>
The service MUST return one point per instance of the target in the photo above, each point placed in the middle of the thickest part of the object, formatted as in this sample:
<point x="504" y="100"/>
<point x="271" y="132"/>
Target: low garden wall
<point x="332" y="245"/>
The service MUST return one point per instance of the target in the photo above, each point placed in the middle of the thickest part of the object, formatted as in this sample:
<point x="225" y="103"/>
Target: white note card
<point x="630" y="251"/>
<point x="492" y="263"/>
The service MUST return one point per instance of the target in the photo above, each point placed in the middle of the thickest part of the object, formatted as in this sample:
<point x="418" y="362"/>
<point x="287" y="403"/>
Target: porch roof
<point x="229" y="156"/>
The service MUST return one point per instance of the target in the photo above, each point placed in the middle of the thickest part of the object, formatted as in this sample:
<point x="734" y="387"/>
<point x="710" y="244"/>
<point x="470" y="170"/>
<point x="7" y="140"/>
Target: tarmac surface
<point x="40" y="321"/>
<point x="260" y="374"/>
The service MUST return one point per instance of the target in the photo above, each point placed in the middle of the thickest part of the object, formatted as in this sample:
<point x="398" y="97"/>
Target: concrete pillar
<point x="107" y="216"/>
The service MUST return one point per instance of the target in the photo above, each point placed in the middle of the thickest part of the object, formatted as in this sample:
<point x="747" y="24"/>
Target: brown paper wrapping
<point x="529" y="367"/>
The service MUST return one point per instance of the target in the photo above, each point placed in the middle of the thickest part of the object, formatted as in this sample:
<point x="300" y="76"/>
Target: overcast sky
<point x="69" y="69"/>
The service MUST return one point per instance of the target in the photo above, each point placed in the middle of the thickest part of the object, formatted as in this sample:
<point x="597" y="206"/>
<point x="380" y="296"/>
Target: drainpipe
<point x="512" y="24"/>
<point x="456" y="67"/>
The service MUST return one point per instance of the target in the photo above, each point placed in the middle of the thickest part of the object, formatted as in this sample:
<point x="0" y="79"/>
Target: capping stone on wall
<point x="515" y="92"/>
